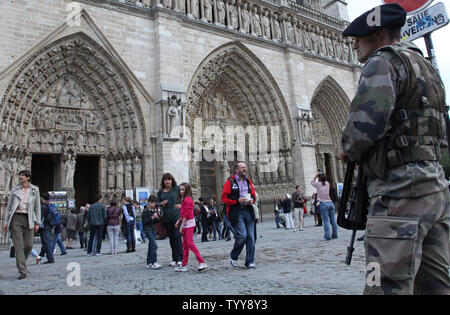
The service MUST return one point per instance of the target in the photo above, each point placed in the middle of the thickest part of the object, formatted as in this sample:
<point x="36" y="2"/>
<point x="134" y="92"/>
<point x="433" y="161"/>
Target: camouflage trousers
<point x="407" y="245"/>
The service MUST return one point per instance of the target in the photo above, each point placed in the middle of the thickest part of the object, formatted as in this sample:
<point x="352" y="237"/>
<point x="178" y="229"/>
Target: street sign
<point x="411" y="6"/>
<point x="424" y="22"/>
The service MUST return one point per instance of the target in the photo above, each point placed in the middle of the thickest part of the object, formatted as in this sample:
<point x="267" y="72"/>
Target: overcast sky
<point x="440" y="37"/>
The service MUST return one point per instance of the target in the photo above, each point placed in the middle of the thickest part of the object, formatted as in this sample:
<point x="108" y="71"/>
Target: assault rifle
<point x="352" y="214"/>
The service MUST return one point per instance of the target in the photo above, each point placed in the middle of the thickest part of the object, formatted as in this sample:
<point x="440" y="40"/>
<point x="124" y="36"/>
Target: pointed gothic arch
<point x="72" y="97"/>
<point x="232" y="87"/>
<point x="329" y="107"/>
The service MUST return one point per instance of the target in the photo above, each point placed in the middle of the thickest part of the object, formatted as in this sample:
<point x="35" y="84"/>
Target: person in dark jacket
<point x="46" y="229"/>
<point x="204" y="214"/>
<point x="113" y="227"/>
<point x="168" y="198"/>
<point x="96" y="219"/>
<point x="150" y="217"/>
<point x="239" y="195"/>
<point x="286" y="204"/>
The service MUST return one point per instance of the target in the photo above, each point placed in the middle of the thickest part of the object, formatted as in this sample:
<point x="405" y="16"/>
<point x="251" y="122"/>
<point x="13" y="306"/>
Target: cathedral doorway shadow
<point x="46" y="171"/>
<point x="86" y="179"/>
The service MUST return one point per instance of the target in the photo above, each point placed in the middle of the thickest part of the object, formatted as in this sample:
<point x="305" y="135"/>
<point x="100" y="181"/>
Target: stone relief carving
<point x="208" y="10"/>
<point x="69" y="170"/>
<point x="266" y="25"/>
<point x="246" y="20"/>
<point x="256" y="23"/>
<point x="276" y="29"/>
<point x="137" y="172"/>
<point x="174" y="117"/>
<point x="221" y="12"/>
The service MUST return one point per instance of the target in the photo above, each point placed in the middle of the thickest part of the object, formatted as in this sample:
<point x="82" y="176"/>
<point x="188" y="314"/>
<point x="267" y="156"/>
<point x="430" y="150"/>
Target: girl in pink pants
<point x="187" y="227"/>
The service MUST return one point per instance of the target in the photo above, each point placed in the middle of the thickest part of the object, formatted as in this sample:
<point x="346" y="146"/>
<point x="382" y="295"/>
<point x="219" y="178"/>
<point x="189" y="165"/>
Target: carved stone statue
<point x="128" y="175"/>
<point x="208" y="8"/>
<point x="289" y="31"/>
<point x="276" y="29"/>
<point x="174" y="118"/>
<point x="290" y="167"/>
<point x="314" y="42"/>
<point x="119" y="175"/>
<point x="306" y="38"/>
<point x="69" y="170"/>
<point x="282" y="168"/>
<point x="306" y="132"/>
<point x="256" y="23"/>
<point x="266" y="25"/>
<point x="245" y="19"/>
<point x="322" y="45"/>
<point x="3" y="172"/>
<point x="330" y="48"/>
<point x="111" y="174"/>
<point x="195" y="7"/>
<point x="234" y="22"/>
<point x="221" y="12"/>
<point x="137" y="172"/>
<point x="167" y="4"/>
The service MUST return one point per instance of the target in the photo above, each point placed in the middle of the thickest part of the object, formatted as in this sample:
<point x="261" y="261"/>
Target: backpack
<point x="55" y="216"/>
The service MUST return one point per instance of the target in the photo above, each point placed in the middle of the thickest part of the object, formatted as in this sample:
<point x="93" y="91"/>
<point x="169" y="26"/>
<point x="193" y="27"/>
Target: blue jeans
<point x="82" y="240"/>
<point x="227" y="227"/>
<point x="57" y="239"/>
<point x="245" y="235"/>
<point x="152" y="247"/>
<point x="327" y="211"/>
<point x="96" y="232"/>
<point x="131" y="240"/>
<point x="139" y="227"/>
<point x="216" y="228"/>
<point x="46" y="245"/>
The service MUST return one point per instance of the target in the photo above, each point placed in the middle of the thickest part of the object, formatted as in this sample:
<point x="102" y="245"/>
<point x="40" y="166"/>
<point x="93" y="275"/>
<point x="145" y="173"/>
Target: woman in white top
<point x="326" y="206"/>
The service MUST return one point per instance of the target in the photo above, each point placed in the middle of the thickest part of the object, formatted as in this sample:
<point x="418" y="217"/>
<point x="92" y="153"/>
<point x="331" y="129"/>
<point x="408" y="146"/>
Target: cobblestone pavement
<point x="287" y="263"/>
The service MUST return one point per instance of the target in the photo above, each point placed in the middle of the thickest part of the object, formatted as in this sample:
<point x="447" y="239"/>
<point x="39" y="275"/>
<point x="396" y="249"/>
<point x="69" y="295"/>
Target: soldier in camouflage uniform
<point x="395" y="131"/>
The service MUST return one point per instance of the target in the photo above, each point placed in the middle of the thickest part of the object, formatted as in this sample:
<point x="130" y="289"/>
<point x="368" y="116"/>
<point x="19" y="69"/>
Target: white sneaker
<point x="179" y="264"/>
<point x="251" y="266"/>
<point x="233" y="263"/>
<point x="156" y="266"/>
<point x="181" y="269"/>
<point x="202" y="266"/>
<point x="172" y="264"/>
<point x="149" y="266"/>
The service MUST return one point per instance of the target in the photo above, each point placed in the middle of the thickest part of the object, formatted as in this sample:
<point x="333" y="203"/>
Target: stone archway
<point x="329" y="107"/>
<point x="72" y="98"/>
<point x="232" y="88"/>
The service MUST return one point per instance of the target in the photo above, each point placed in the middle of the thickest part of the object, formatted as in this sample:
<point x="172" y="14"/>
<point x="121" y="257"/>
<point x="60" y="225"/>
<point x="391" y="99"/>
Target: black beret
<point x="386" y="15"/>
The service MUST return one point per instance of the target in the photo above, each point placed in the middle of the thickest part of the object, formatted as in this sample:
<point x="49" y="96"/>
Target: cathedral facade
<point x="101" y="96"/>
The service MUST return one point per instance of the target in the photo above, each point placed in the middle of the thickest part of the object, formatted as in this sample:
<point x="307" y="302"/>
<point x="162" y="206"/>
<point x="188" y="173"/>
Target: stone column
<point x="283" y="18"/>
<point x="202" y="12"/>
<point x="188" y="9"/>
<point x="215" y="18"/>
<point x="239" y="13"/>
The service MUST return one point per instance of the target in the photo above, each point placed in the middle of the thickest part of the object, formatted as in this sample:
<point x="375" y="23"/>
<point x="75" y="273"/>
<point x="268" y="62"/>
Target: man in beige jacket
<point x="23" y="217"/>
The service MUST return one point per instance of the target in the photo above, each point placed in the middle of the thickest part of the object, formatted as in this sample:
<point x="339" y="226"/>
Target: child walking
<point x="187" y="225"/>
<point x="150" y="217"/>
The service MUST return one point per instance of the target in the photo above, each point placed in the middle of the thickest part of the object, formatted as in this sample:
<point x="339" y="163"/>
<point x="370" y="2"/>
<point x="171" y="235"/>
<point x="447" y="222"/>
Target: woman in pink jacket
<point x="187" y="225"/>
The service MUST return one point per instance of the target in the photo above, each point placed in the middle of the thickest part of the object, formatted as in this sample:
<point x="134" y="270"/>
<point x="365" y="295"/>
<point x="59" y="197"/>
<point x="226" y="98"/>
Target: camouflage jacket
<point x="369" y="120"/>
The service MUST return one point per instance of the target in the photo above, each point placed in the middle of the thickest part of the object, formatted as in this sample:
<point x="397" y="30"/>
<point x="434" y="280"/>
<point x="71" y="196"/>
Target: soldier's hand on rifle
<point x="344" y="157"/>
